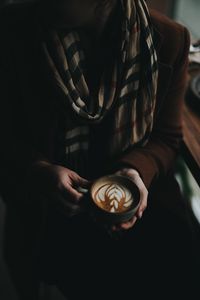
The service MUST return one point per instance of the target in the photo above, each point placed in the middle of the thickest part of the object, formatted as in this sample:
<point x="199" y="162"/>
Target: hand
<point x="135" y="177"/>
<point x="58" y="184"/>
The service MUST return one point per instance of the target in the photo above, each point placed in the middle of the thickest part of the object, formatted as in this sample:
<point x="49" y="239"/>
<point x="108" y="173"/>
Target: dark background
<point x="7" y="291"/>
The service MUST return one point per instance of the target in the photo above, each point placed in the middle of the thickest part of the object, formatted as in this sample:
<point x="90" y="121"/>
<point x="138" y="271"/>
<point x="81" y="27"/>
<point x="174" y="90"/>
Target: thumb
<point x="82" y="182"/>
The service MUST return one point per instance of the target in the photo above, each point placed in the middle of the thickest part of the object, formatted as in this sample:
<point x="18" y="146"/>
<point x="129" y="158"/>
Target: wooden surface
<point x="191" y="144"/>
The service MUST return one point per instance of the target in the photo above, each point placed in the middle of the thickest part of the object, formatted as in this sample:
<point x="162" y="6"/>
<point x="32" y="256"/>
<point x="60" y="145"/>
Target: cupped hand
<point x="135" y="177"/>
<point x="59" y="185"/>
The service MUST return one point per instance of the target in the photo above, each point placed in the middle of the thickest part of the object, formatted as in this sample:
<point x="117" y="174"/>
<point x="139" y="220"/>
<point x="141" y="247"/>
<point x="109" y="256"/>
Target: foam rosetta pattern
<point x="113" y="197"/>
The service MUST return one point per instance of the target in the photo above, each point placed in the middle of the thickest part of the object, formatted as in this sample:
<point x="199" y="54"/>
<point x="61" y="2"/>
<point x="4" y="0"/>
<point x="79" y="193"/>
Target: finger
<point x="129" y="224"/>
<point x="142" y="207"/>
<point x="72" y="194"/>
<point x="135" y="177"/>
<point x="82" y="181"/>
<point x="143" y="195"/>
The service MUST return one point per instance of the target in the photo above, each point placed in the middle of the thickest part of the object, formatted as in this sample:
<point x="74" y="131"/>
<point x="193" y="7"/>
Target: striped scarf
<point x="128" y="87"/>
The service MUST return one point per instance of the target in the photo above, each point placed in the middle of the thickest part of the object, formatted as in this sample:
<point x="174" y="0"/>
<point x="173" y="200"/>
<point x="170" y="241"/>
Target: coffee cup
<point x="112" y="199"/>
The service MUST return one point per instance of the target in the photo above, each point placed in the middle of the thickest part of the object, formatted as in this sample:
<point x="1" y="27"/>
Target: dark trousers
<point x="155" y="258"/>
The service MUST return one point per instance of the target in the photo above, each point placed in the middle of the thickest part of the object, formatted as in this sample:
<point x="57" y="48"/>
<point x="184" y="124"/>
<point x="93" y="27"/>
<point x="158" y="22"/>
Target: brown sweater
<point x="158" y="156"/>
<point x="30" y="116"/>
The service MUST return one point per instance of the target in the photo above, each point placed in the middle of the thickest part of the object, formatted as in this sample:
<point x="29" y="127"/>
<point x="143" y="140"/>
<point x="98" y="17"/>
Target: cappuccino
<point x="113" y="197"/>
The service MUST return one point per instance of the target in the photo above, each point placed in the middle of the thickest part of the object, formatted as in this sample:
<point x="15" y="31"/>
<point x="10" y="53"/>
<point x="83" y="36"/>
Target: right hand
<point x="59" y="184"/>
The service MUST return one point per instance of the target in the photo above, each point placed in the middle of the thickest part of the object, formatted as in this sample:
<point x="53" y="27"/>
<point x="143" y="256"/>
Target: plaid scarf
<point x="128" y="86"/>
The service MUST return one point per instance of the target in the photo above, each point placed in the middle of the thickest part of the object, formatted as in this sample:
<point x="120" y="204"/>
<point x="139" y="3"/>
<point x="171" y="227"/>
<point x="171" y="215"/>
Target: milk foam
<point x="113" y="197"/>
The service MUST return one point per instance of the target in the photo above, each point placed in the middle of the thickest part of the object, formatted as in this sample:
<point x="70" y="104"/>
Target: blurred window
<point x="188" y="13"/>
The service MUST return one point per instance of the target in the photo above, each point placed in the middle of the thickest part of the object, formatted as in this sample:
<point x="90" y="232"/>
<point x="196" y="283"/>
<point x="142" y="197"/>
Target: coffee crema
<point x="114" y="198"/>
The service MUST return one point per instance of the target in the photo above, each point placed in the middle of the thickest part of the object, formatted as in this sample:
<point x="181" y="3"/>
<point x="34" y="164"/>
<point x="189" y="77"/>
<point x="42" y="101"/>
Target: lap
<point x="78" y="253"/>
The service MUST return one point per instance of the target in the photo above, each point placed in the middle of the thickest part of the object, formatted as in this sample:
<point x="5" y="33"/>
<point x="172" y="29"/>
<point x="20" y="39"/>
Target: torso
<point x="100" y="52"/>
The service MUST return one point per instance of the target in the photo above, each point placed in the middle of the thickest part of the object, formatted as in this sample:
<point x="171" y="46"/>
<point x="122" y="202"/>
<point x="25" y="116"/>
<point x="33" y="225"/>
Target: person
<point x="88" y="88"/>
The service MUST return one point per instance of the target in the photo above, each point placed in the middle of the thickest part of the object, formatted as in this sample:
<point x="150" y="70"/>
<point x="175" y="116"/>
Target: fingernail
<point x="140" y="214"/>
<point x="82" y="190"/>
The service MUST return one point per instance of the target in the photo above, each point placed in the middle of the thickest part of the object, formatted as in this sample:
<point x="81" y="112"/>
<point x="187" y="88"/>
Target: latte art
<point x="113" y="197"/>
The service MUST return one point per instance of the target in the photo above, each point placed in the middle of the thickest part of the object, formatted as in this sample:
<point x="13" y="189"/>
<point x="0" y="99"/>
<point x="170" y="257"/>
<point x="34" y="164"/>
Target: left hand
<point x="135" y="177"/>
